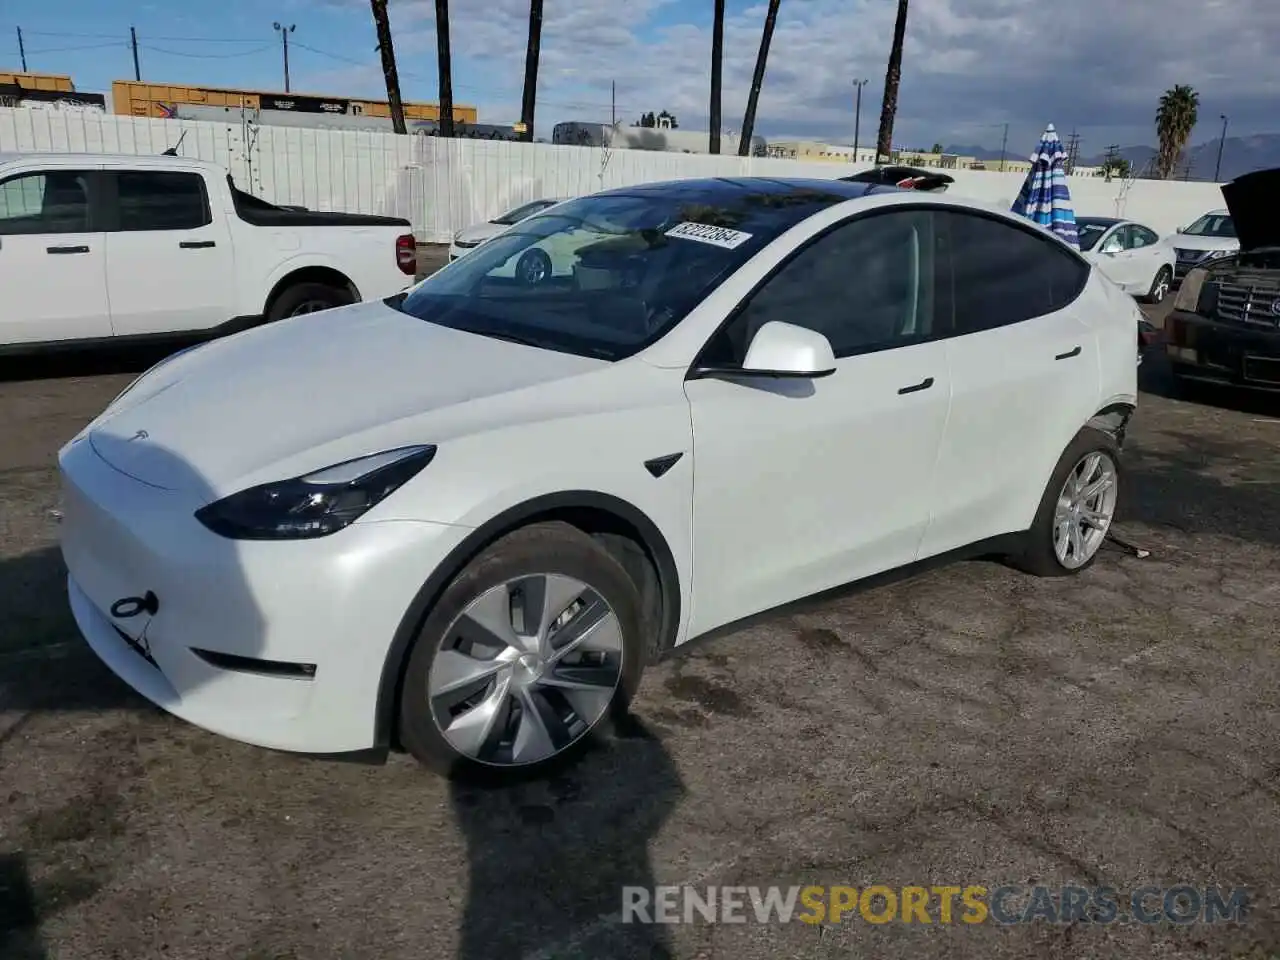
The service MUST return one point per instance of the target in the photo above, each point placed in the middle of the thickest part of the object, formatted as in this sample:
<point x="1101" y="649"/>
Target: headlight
<point x="1214" y="254"/>
<point x="317" y="504"/>
<point x="1188" y="299"/>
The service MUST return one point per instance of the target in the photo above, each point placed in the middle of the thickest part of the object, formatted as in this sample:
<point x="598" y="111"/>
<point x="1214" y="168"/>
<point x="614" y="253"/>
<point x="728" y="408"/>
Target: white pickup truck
<point x="97" y="249"/>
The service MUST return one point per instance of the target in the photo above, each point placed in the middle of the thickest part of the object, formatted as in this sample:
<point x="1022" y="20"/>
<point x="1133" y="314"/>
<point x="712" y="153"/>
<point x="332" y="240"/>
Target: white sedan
<point x="1130" y="254"/>
<point x="469" y="238"/>
<point x="463" y="520"/>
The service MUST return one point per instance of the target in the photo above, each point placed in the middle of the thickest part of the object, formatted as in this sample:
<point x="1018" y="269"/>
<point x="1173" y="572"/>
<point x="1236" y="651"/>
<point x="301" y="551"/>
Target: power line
<point x="207" y="56"/>
<point x="87" y="46"/>
<point x="112" y="36"/>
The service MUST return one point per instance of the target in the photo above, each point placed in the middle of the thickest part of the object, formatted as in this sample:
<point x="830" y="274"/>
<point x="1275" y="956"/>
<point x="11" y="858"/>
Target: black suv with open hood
<point x="1225" y="324"/>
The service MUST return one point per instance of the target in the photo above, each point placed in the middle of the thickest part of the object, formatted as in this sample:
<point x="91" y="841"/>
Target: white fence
<point x="442" y="185"/>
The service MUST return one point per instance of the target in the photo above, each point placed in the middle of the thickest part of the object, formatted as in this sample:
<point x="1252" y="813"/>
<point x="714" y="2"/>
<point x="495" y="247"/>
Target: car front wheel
<point x="530" y="652"/>
<point x="1077" y="509"/>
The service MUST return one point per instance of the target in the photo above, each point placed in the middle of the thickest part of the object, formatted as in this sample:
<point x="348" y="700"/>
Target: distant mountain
<point x="971" y="150"/>
<point x="1239" y="155"/>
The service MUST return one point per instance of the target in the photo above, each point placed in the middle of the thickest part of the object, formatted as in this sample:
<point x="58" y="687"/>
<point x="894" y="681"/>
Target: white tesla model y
<point x="464" y="519"/>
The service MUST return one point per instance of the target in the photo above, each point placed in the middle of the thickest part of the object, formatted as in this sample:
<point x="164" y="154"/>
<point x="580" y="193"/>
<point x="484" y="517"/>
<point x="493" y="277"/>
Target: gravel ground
<point x="971" y="726"/>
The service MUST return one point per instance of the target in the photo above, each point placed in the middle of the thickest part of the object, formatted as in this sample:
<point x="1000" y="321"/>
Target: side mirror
<point x="785" y="350"/>
<point x="781" y="351"/>
<point x="1181" y="230"/>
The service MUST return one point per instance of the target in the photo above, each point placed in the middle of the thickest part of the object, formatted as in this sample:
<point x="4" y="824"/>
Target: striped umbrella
<point x="1044" y="197"/>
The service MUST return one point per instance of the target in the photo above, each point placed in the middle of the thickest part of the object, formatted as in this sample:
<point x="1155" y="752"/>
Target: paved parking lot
<point x="972" y="726"/>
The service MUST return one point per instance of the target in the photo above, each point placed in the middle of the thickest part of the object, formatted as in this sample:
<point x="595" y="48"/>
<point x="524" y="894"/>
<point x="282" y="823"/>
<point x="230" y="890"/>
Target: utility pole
<point x="284" y="39"/>
<point x="1217" y="167"/>
<point x="444" y="64"/>
<point x="717" y="68"/>
<point x="22" y="51"/>
<point x="1073" y="151"/>
<point x="133" y="42"/>
<point x="857" y="116"/>
<point x="1004" y="147"/>
<point x="613" y="103"/>
<point x="387" y="50"/>
<point x="533" y="46"/>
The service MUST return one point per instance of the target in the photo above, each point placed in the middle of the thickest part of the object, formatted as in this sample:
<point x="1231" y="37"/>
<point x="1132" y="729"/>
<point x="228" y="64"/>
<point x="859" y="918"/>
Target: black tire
<point x="538" y="548"/>
<point x="533" y="267"/>
<point x="307" y="298"/>
<point x="1038" y="557"/>
<point x="1163" y="275"/>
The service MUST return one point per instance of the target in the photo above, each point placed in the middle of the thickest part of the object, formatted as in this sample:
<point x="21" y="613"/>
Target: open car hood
<point x="1254" y="203"/>
<point x="907" y="178"/>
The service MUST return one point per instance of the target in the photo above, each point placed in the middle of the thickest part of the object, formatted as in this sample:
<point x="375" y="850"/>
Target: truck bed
<point x="259" y="213"/>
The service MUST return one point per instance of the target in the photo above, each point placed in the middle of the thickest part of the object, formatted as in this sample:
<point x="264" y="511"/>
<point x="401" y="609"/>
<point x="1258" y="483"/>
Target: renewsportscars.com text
<point x="934" y="904"/>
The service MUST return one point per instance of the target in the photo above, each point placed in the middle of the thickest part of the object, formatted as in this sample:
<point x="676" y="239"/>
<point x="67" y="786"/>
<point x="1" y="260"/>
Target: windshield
<point x="607" y="275"/>
<point x="1213" y="225"/>
<point x="521" y="213"/>
<point x="1090" y="232"/>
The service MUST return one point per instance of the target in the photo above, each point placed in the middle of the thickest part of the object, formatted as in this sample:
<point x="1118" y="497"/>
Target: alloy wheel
<point x="526" y="670"/>
<point x="1086" y="506"/>
<point x="310" y="306"/>
<point x="1160" y="288"/>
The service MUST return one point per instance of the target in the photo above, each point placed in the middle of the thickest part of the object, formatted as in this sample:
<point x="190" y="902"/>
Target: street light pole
<point x="857" y="116"/>
<point x="284" y="39"/>
<point x="1217" y="167"/>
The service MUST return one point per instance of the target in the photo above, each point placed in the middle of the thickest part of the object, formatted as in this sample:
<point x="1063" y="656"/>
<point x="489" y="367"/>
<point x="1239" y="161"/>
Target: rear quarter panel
<point x="365" y="255"/>
<point x="1115" y="316"/>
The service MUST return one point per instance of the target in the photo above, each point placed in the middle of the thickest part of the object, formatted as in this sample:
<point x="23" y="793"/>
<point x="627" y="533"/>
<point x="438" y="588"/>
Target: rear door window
<point x="161" y="200"/>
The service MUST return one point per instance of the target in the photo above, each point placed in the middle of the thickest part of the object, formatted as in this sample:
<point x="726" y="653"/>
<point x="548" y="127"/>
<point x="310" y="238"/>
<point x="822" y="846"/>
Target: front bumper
<point x="456" y="250"/>
<point x="1203" y="349"/>
<point x="239" y="622"/>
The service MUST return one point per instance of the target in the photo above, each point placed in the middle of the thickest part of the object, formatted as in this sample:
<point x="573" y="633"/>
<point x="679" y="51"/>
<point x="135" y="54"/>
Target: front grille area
<point x="1248" y="304"/>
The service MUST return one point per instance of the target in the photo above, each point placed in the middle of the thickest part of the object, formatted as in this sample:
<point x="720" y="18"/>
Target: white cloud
<point x="970" y="66"/>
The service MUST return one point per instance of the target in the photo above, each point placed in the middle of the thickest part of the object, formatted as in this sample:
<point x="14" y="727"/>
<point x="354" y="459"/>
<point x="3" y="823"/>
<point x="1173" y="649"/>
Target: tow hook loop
<point x="128" y="607"/>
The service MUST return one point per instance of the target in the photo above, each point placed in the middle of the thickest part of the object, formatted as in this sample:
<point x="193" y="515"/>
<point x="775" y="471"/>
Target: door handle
<point x="78" y="249"/>
<point x="196" y="244"/>
<point x="924" y="384"/>
<point x="1068" y="355"/>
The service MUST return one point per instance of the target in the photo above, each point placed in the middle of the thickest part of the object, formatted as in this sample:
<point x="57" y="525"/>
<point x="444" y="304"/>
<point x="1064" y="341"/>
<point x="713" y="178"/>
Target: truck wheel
<point x="307" y="298"/>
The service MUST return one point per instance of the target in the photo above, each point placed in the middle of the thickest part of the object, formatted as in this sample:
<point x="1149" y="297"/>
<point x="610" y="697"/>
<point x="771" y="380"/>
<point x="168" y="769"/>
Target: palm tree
<point x="383" y="27"/>
<point x="717" y="63"/>
<point x="757" y="79"/>
<point x="446" y="68"/>
<point x="531" y="69"/>
<point x="1175" y="119"/>
<point x="892" y="77"/>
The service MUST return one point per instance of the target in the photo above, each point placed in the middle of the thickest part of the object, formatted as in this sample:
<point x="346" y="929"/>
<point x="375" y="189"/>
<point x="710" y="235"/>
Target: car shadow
<point x="19" y="927"/>
<point x="1201" y="485"/>
<point x="1155" y="377"/>
<point x="549" y="860"/>
<point x="44" y="662"/>
<point x="94" y="361"/>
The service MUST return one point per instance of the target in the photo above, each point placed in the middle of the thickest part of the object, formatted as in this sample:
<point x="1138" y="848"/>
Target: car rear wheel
<point x="307" y="298"/>
<point x="1160" y="286"/>
<point x="529" y="654"/>
<point x="1077" y="509"/>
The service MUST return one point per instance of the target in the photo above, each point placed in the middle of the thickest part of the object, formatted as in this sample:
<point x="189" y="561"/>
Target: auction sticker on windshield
<point x="705" y="233"/>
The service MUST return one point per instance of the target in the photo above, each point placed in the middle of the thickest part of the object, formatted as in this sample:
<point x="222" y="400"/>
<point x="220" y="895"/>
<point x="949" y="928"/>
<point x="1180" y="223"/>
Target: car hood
<point x="299" y="395"/>
<point x="1254" y="202"/>
<point x="480" y="232"/>
<point x="1185" y="241"/>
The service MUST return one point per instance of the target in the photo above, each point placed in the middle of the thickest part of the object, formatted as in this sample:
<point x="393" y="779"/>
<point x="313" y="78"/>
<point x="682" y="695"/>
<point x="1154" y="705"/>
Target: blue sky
<point x="971" y="66"/>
